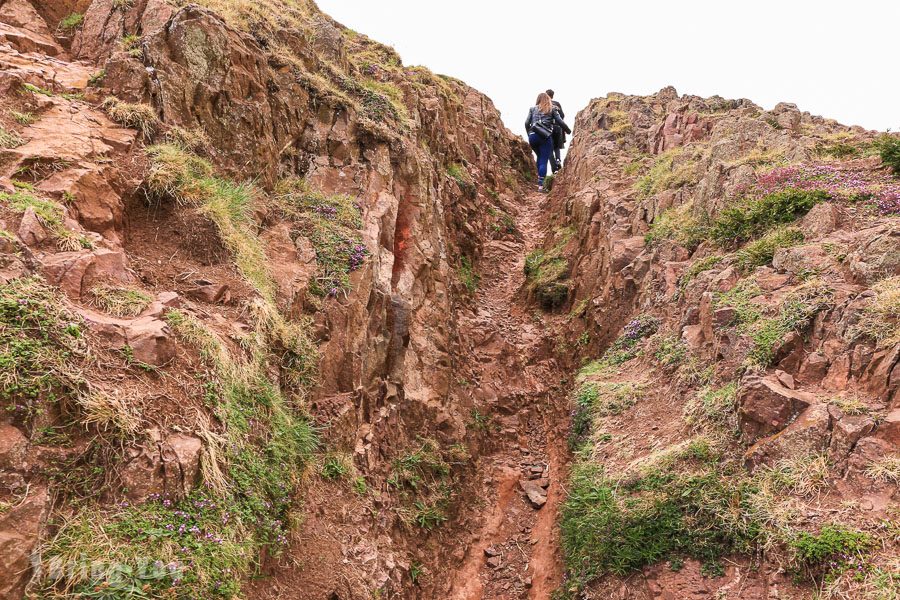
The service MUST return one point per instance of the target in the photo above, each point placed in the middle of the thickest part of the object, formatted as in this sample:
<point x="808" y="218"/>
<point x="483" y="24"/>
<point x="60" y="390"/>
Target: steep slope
<point x="734" y="273"/>
<point x="196" y="333"/>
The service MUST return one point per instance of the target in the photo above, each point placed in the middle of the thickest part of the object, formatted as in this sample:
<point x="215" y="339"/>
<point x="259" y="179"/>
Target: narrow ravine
<point x="515" y="554"/>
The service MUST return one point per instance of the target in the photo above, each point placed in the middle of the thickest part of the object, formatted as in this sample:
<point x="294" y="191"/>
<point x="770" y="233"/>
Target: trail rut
<point x="515" y="553"/>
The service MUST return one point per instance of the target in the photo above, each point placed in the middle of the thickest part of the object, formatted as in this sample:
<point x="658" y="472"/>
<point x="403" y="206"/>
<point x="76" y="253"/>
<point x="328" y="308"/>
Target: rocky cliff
<point x="278" y="320"/>
<point x="733" y="272"/>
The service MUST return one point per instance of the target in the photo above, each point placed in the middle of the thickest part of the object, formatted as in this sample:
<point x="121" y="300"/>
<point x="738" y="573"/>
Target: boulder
<point x="151" y="339"/>
<point x="95" y="204"/>
<point x="877" y="256"/>
<point x="31" y="231"/>
<point x="20" y="532"/>
<point x="74" y="272"/>
<point x="13" y="448"/>
<point x="808" y="435"/>
<point x="209" y="292"/>
<point x="166" y="467"/>
<point x="813" y="369"/>
<point x="824" y="218"/>
<point x="536" y="495"/>
<point x="846" y="432"/>
<point x="766" y="406"/>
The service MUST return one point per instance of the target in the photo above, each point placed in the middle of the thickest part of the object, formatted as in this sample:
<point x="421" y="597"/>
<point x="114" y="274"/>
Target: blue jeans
<point x="544" y="149"/>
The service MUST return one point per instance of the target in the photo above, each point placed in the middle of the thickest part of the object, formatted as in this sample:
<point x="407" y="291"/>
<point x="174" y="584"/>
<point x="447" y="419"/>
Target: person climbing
<point x="559" y="136"/>
<point x="542" y="118"/>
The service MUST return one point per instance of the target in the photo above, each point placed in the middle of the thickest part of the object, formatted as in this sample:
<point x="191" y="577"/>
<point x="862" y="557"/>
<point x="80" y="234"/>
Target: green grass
<point x="423" y="478"/>
<point x="697" y="267"/>
<point x="680" y="225"/>
<point x="687" y="506"/>
<point x="752" y="218"/>
<point x="41" y="344"/>
<point x="177" y="173"/>
<point x="463" y="179"/>
<point x="23" y="118"/>
<point x="625" y="347"/>
<point x="670" y="351"/>
<point x="831" y="550"/>
<point x="597" y="399"/>
<point x="760" y="252"/>
<point x="714" y="409"/>
<point x="335" y="467"/>
<point x="249" y="472"/>
<point x="28" y="87"/>
<point x="331" y="224"/>
<point x="71" y="22"/>
<point x="665" y="174"/>
<point x="741" y="298"/>
<point x="795" y="313"/>
<point x="50" y="214"/>
<point x="547" y="274"/>
<point x="467" y="275"/>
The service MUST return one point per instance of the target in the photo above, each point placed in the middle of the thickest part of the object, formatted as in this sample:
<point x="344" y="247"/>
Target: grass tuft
<point x="880" y="318"/>
<point x="120" y="302"/>
<point x="760" y="252"/>
<point x="136" y="116"/>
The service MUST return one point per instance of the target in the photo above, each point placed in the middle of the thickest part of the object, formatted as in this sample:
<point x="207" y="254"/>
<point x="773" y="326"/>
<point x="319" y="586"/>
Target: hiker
<point x="559" y="136"/>
<point x="540" y="123"/>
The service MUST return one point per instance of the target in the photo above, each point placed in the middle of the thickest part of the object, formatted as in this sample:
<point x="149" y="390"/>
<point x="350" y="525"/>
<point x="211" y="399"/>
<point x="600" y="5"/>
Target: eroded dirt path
<point x="515" y="553"/>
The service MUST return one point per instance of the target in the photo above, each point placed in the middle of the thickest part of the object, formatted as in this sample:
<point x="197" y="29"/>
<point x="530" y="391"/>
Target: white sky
<point x="837" y="59"/>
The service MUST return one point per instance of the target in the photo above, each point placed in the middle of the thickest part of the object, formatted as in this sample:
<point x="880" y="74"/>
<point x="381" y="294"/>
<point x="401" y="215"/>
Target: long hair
<point x="543" y="102"/>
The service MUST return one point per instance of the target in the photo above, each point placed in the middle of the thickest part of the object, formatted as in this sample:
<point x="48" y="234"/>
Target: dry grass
<point x="886" y="469"/>
<point x="880" y="318"/>
<point x="109" y="411"/>
<point x="120" y="302"/>
<point x="9" y="139"/>
<point x="137" y="116"/>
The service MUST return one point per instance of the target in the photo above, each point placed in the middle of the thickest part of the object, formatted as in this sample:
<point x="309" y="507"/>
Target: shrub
<point x="624" y="348"/>
<point x="50" y="214"/>
<point x="697" y="267"/>
<point x="761" y="252"/>
<point x="467" y="275"/>
<point x="137" y="116"/>
<point x="829" y="550"/>
<point x="888" y="147"/>
<point x="752" y="218"/>
<point x="71" y="22"/>
<point x="547" y="274"/>
<point x="23" y="118"/>
<point x="795" y="313"/>
<point x="335" y="467"/>
<point x="713" y="408"/>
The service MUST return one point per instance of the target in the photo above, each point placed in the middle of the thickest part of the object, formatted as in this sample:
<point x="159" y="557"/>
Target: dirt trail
<point x="515" y="554"/>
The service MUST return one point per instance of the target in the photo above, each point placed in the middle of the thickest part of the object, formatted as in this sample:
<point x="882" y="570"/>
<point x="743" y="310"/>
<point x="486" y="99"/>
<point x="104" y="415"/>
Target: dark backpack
<point x="542" y="124"/>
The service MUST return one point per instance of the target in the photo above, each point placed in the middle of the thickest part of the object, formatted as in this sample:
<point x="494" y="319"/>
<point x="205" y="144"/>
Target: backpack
<point x="541" y="124"/>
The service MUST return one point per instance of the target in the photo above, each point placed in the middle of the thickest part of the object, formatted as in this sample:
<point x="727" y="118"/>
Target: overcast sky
<point x="833" y="58"/>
